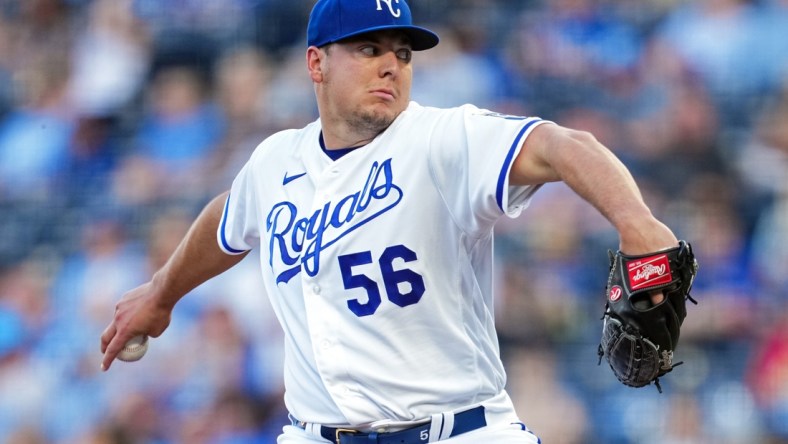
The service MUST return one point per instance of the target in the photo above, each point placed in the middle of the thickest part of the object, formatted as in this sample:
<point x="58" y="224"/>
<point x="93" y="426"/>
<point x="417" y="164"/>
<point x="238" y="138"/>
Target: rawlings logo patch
<point x="649" y="271"/>
<point x="615" y="293"/>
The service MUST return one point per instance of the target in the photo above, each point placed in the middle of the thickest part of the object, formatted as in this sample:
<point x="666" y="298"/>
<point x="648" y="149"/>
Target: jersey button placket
<point x="321" y="326"/>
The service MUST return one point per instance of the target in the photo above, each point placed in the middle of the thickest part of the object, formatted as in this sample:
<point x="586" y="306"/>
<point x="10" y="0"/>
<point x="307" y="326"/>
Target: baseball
<point x="134" y="349"/>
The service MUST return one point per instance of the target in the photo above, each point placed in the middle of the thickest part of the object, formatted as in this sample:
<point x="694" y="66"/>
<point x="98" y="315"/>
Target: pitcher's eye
<point x="368" y="50"/>
<point x="404" y="54"/>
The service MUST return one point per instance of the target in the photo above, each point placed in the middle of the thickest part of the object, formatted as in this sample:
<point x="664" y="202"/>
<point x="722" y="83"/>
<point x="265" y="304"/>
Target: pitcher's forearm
<point x="197" y="258"/>
<point x="553" y="153"/>
<point x="599" y="177"/>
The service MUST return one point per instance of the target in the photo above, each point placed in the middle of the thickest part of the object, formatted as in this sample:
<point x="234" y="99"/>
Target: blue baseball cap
<point x="335" y="20"/>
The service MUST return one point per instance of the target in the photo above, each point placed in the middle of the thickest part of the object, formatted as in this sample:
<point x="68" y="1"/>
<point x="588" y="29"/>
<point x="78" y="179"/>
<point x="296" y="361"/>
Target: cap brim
<point x="420" y="38"/>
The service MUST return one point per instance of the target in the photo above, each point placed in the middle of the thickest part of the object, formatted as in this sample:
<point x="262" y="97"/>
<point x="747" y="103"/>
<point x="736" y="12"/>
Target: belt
<point x="431" y="431"/>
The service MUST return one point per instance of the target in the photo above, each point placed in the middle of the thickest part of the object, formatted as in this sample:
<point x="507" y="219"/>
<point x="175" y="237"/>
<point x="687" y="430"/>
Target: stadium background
<point x="119" y="119"/>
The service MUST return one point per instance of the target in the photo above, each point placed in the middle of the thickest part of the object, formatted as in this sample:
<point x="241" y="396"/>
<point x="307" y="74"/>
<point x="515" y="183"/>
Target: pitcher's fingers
<point x="657" y="297"/>
<point x="107" y="335"/>
<point x="113" y="348"/>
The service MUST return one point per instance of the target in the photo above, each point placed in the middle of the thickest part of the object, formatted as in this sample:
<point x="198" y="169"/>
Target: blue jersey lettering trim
<point x="223" y="239"/>
<point x="300" y="239"/>
<point x="508" y="162"/>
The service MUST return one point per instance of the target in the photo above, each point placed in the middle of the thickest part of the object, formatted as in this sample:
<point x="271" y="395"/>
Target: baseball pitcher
<point x="375" y="230"/>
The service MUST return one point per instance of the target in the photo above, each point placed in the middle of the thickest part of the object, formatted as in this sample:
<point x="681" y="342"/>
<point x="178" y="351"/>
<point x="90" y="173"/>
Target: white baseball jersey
<point x="379" y="264"/>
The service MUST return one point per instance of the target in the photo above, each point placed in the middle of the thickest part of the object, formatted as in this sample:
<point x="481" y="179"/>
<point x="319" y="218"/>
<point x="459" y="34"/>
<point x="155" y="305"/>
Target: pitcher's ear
<point x="315" y="58"/>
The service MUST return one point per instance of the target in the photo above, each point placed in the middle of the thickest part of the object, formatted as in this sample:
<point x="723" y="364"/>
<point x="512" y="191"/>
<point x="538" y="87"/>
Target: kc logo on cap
<point x="388" y="3"/>
<point x="335" y="20"/>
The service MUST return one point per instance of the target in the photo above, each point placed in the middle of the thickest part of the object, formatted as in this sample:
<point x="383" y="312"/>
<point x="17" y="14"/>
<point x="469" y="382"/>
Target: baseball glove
<point x="639" y="337"/>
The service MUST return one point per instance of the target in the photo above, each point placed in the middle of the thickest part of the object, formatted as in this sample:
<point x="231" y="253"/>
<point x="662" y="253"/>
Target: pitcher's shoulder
<point x="430" y="114"/>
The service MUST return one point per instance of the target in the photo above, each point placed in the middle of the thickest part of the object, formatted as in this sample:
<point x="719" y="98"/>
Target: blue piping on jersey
<point x="508" y="162"/>
<point x="225" y="245"/>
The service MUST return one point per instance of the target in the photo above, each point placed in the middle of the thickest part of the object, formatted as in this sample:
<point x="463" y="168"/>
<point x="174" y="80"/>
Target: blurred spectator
<point x="278" y="25"/>
<point x="738" y="48"/>
<point x="543" y="296"/>
<point x="93" y="155"/>
<point x="542" y="401"/>
<point x="24" y="293"/>
<point x="220" y="21"/>
<point x="768" y="376"/>
<point x="763" y="162"/>
<point x="453" y="76"/>
<point x="708" y="214"/>
<point x="34" y="136"/>
<point x="461" y="69"/>
<point x="89" y="281"/>
<point x="183" y="125"/>
<point x="178" y="132"/>
<point x="684" y="124"/>
<point x="559" y="55"/>
<point x="6" y="89"/>
<point x="25" y="313"/>
<point x="291" y="91"/>
<point x="243" y="88"/>
<point x="686" y="418"/>
<point x="110" y="60"/>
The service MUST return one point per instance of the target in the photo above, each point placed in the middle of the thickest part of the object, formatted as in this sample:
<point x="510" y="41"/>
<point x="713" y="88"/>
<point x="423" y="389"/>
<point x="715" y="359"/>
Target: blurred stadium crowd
<point x="120" y="119"/>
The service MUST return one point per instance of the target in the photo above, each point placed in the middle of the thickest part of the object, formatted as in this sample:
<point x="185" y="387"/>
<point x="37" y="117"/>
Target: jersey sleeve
<point x="238" y="229"/>
<point x="471" y="157"/>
